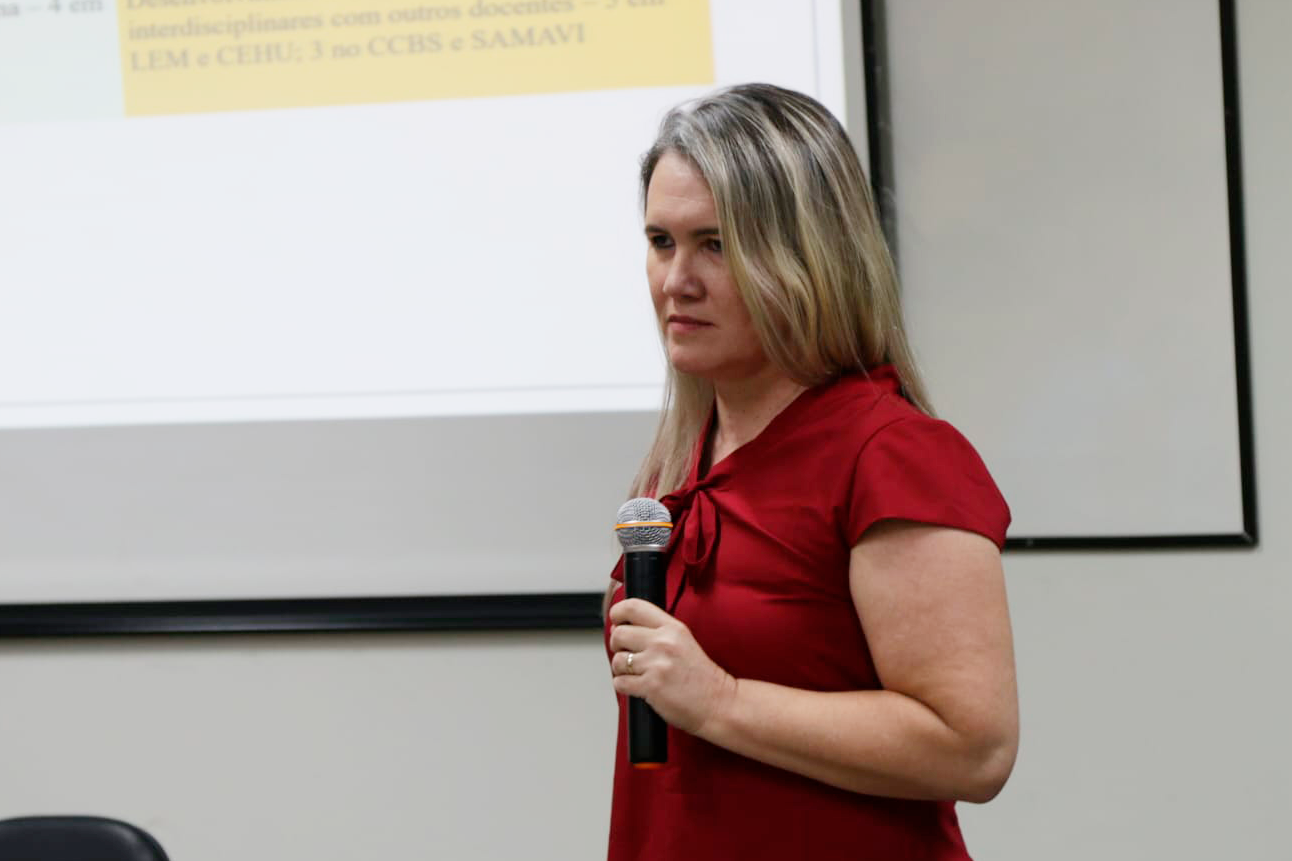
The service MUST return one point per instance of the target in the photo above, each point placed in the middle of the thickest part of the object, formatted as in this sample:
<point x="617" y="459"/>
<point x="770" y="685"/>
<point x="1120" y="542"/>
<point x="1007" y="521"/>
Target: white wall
<point x="1155" y="692"/>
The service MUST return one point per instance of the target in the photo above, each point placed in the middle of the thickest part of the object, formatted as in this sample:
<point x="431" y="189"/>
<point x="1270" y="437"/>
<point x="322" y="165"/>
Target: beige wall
<point x="1155" y="686"/>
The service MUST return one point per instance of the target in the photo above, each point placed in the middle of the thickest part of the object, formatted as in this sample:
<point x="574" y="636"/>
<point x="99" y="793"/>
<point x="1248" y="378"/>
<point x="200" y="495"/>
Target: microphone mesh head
<point x="648" y="512"/>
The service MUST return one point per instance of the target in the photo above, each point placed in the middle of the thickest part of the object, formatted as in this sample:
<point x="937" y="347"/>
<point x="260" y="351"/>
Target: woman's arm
<point x="945" y="726"/>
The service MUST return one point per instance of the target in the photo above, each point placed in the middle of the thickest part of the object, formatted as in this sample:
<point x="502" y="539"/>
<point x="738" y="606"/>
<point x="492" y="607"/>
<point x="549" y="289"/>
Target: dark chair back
<point x="76" y="838"/>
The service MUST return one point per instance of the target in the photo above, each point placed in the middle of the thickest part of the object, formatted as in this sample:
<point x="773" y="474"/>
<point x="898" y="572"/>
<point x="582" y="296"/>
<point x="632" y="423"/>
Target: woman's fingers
<point x="630" y="684"/>
<point x="635" y="611"/>
<point x="637" y="624"/>
<point x="631" y="638"/>
<point x="628" y="663"/>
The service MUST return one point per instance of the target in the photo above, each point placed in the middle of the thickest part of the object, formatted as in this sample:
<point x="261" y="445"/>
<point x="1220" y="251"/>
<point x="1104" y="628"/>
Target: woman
<point x="835" y="663"/>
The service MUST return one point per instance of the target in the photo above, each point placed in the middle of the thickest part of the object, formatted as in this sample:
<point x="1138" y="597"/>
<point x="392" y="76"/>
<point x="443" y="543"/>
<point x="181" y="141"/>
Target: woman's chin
<point x="715" y="368"/>
<point x="692" y="365"/>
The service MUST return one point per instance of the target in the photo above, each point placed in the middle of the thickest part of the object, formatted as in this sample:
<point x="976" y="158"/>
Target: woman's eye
<point x="658" y="240"/>
<point x="715" y="245"/>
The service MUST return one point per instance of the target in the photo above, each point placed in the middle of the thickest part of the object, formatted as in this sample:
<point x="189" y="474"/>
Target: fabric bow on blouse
<point x="696" y="528"/>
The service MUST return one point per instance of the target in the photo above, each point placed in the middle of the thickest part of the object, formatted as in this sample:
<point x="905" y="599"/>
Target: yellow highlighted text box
<point x="194" y="56"/>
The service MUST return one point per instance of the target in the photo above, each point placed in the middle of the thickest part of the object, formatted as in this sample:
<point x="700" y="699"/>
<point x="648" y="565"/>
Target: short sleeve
<point x="922" y="469"/>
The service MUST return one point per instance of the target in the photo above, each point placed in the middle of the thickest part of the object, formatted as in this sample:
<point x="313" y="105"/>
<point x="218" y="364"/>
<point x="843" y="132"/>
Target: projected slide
<point x="233" y="210"/>
<point x="189" y="56"/>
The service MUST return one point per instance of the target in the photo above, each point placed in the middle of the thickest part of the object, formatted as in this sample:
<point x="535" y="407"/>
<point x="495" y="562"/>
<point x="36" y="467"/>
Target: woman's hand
<point x="669" y="669"/>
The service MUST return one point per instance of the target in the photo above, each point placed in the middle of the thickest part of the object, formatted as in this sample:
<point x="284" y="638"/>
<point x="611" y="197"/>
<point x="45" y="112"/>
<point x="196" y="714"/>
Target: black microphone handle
<point x="644" y="572"/>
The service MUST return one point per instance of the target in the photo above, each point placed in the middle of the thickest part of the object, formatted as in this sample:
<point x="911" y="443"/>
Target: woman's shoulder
<point x="901" y="462"/>
<point x="855" y="407"/>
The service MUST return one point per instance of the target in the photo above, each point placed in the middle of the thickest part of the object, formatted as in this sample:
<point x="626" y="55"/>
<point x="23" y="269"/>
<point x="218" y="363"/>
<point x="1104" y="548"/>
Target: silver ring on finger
<point x="631" y="655"/>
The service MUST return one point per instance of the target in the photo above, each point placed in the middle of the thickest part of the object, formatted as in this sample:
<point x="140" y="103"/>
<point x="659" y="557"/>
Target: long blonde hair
<point x="803" y="242"/>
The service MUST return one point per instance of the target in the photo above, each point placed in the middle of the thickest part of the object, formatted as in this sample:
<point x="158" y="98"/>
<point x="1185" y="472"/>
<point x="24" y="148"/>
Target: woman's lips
<point x="680" y="323"/>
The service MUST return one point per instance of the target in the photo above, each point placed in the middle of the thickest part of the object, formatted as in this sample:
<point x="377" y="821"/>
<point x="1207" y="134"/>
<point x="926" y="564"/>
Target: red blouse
<point x="758" y="570"/>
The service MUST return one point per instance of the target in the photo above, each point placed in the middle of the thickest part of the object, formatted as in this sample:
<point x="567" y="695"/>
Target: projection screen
<point x="319" y="300"/>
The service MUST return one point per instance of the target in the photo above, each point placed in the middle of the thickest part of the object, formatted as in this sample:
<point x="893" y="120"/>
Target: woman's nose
<point x="681" y="280"/>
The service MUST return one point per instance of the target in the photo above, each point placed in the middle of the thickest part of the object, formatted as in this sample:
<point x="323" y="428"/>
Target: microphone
<point x="643" y="527"/>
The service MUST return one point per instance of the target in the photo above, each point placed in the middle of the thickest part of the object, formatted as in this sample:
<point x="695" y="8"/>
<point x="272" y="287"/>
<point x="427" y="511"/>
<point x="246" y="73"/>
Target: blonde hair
<point x="803" y="242"/>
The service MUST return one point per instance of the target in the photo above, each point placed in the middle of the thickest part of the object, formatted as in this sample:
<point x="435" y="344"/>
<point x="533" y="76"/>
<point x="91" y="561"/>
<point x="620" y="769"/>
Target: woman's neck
<point x="747" y="406"/>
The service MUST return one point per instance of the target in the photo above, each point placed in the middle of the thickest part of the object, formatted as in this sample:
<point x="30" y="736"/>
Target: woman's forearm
<point x="876" y="742"/>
